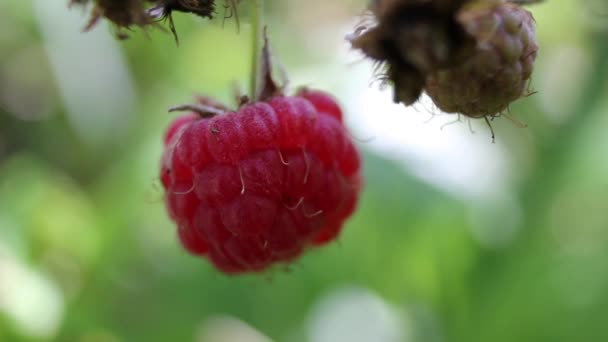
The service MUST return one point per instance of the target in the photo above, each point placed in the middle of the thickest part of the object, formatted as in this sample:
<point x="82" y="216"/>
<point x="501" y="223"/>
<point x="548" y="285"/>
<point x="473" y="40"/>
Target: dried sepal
<point x="126" y="14"/>
<point x="412" y="38"/>
<point x="202" y="8"/>
<point x="267" y="86"/>
<point x="163" y="10"/>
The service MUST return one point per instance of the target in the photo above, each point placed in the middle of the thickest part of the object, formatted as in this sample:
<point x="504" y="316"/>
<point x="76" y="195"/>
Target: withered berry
<point x="498" y="72"/>
<point x="472" y="57"/>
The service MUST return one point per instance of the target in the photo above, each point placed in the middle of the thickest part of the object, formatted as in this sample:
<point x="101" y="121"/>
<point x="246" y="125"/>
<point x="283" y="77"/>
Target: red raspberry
<point x="251" y="188"/>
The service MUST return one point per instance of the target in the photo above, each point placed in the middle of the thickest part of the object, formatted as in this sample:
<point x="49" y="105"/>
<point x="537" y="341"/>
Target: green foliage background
<point x="86" y="216"/>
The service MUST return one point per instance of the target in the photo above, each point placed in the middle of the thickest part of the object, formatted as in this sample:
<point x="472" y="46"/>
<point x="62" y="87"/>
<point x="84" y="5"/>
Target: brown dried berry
<point x="473" y="57"/>
<point x="413" y="38"/>
<point x="498" y="72"/>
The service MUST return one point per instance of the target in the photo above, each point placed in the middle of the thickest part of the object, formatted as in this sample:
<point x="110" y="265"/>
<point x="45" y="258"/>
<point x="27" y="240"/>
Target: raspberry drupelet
<point x="258" y="186"/>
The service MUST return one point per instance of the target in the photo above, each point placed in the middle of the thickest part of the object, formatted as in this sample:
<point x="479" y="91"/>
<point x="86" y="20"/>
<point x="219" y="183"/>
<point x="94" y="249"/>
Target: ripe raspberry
<point x="498" y="72"/>
<point x="258" y="186"/>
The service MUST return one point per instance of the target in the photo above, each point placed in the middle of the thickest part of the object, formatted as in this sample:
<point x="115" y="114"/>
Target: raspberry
<point x="498" y="72"/>
<point x="176" y="125"/>
<point x="322" y="102"/>
<point x="256" y="187"/>
<point x="472" y="57"/>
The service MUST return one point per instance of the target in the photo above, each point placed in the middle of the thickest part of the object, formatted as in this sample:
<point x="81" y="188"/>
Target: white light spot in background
<point x="560" y="90"/>
<point x="32" y="301"/>
<point x="91" y="73"/>
<point x="355" y="315"/>
<point x="228" y="329"/>
<point x="456" y="160"/>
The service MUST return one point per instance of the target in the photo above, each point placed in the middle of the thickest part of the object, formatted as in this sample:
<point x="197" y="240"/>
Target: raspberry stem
<point x="257" y="23"/>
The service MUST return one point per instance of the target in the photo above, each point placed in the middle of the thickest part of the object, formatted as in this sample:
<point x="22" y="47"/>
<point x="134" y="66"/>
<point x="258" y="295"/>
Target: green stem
<point x="257" y="23"/>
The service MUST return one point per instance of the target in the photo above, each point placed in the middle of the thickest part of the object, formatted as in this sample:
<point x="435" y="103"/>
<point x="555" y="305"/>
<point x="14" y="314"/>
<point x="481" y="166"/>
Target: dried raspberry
<point x="472" y="57"/>
<point x="498" y="72"/>
<point x="410" y="39"/>
<point x="256" y="187"/>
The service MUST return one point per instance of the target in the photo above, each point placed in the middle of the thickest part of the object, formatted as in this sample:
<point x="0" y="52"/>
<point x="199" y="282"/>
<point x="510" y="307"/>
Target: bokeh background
<point x="456" y="238"/>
